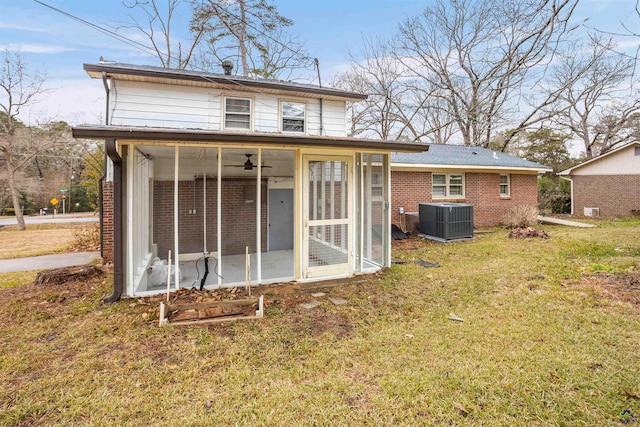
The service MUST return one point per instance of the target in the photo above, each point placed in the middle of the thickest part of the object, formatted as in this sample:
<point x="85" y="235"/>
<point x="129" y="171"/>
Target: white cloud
<point x="34" y="48"/>
<point x="8" y="26"/>
<point x="74" y="101"/>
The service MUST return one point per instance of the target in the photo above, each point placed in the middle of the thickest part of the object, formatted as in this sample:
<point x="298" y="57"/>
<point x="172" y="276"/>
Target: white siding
<point x="622" y="162"/>
<point x="333" y="118"/>
<point x="148" y="104"/>
<point x="183" y="107"/>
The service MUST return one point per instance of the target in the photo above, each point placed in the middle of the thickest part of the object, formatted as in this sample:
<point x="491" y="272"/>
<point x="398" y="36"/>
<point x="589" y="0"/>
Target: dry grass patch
<point x="45" y="239"/>
<point x="531" y="350"/>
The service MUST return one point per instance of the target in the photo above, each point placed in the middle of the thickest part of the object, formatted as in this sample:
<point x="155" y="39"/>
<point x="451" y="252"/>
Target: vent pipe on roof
<point x="227" y="66"/>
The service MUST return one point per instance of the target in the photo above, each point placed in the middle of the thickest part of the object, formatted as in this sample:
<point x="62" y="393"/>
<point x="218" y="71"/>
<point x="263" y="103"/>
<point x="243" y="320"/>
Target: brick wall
<point x="107" y="221"/>
<point x="238" y="216"/>
<point x="615" y="195"/>
<point x="482" y="190"/>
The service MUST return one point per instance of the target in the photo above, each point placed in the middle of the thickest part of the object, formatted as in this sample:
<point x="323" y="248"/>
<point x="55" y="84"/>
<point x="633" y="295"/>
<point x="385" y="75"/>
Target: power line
<point x="149" y="50"/>
<point x="126" y="40"/>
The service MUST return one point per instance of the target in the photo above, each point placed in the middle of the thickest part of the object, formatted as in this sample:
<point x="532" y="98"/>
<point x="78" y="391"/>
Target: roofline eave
<point x="96" y="70"/>
<point x="430" y="166"/>
<point x="221" y="137"/>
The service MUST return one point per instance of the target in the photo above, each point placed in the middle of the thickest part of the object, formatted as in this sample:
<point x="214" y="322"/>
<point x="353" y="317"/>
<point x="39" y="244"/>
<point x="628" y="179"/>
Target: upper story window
<point x="445" y="185"/>
<point x="505" y="185"/>
<point x="237" y="113"/>
<point x="293" y="116"/>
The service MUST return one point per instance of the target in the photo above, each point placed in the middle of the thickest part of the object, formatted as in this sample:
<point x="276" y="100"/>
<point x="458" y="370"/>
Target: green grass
<point x="540" y="345"/>
<point x="10" y="280"/>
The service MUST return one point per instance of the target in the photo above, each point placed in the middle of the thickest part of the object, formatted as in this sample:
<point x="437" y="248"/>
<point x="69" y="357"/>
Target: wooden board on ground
<point x="211" y="312"/>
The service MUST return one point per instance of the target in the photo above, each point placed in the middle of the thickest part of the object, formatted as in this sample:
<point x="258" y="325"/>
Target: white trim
<point x="572" y="198"/>
<point x="258" y="218"/>
<point x="130" y="268"/>
<point x="447" y="186"/>
<point x="467" y="168"/>
<point x="224" y="113"/>
<point x="339" y="269"/>
<point x="176" y="243"/>
<point x="508" y="184"/>
<point x="281" y="117"/>
<point x="219" y="220"/>
<point x="359" y="187"/>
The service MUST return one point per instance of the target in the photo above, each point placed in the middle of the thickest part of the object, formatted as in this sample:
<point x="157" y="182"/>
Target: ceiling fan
<point x="248" y="165"/>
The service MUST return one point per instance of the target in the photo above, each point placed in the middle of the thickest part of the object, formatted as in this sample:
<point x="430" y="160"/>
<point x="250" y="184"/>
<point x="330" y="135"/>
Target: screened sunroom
<point x="225" y="213"/>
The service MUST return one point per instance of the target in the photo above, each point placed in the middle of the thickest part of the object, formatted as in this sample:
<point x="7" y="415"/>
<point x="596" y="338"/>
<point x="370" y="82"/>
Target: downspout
<point x="118" y="249"/>
<point x="317" y="64"/>
<point x="104" y="165"/>
<point x="571" y="181"/>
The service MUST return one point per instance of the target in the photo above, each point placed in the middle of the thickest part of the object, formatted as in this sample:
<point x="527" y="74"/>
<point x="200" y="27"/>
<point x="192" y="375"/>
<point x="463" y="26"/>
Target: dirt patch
<point x="48" y="300"/>
<point x="619" y="286"/>
<point x="317" y="322"/>
<point x="410" y="244"/>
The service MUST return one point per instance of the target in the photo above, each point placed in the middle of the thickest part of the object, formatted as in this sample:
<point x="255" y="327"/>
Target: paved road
<point x="47" y="261"/>
<point x="50" y="219"/>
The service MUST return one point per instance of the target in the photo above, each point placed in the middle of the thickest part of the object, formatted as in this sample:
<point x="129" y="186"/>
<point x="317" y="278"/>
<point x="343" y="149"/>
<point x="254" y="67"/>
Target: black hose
<point x="206" y="272"/>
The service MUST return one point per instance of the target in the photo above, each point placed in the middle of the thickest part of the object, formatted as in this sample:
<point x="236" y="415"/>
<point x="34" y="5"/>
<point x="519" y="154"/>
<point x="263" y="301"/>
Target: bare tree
<point x="628" y="31"/>
<point x="157" y="28"/>
<point x="390" y="109"/>
<point x="20" y="144"/>
<point x="478" y="61"/>
<point x="596" y="107"/>
<point x="253" y="31"/>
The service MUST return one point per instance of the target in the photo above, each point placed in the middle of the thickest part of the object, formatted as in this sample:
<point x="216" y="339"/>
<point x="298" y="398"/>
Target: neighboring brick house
<point x="607" y="185"/>
<point x="203" y="167"/>
<point x="493" y="182"/>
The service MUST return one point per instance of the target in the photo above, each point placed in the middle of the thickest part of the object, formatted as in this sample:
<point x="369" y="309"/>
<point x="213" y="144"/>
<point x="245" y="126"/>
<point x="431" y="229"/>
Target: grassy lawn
<point x="551" y="336"/>
<point x="38" y="239"/>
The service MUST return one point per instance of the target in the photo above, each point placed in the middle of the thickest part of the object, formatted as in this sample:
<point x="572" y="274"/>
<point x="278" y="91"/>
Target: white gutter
<point x="571" y="181"/>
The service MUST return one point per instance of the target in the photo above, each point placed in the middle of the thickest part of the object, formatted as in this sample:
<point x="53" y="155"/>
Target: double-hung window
<point x="293" y="116"/>
<point x="505" y="185"/>
<point x="447" y="185"/>
<point x="237" y="113"/>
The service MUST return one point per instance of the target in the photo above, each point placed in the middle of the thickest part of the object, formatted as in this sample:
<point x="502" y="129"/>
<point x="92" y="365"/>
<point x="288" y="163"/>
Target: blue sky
<point x="57" y="45"/>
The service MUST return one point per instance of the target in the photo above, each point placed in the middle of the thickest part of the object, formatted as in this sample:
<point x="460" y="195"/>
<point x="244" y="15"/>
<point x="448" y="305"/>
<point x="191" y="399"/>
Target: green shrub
<point x="560" y="204"/>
